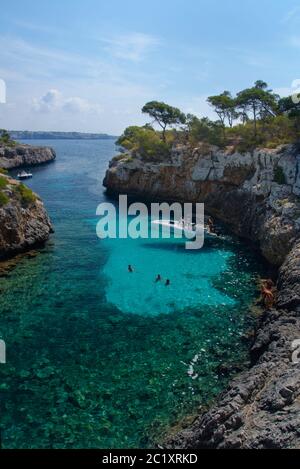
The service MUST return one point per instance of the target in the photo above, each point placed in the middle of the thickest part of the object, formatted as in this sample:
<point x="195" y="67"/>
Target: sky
<point x="90" y="65"/>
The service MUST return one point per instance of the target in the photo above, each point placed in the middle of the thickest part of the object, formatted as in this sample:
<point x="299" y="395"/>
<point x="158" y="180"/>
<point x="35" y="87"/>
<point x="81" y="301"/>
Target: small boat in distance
<point x="24" y="175"/>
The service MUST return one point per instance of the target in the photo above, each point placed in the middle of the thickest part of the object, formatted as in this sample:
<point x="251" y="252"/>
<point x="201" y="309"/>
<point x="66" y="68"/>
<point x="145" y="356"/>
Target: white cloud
<point x="132" y="46"/>
<point x="48" y="102"/>
<point x="77" y="104"/>
<point x="53" y="101"/>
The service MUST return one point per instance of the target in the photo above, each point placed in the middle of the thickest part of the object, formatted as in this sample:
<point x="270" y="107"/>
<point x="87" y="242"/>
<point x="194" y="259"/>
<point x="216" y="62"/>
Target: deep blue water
<point x="98" y="357"/>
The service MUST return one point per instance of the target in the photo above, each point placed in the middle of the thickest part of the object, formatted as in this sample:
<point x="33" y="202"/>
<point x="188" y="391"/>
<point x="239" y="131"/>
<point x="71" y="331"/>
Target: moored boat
<point x="24" y="175"/>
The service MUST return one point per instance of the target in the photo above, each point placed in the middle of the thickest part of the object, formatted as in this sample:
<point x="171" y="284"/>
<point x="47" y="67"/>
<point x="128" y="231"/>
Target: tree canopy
<point x="257" y="100"/>
<point x="255" y="116"/>
<point x="5" y="138"/>
<point x="164" y="115"/>
<point x="224" y="106"/>
<point x="144" y="142"/>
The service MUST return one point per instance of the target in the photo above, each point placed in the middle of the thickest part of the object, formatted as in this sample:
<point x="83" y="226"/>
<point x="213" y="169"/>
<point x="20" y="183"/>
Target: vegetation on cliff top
<point x="3" y="182"/>
<point x="255" y="117"/>
<point x="3" y="197"/>
<point x="25" y="194"/>
<point x="5" y="138"/>
<point x="22" y="193"/>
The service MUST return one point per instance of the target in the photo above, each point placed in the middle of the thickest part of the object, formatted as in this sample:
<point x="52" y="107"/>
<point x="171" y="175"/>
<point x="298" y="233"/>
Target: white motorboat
<point x="185" y="228"/>
<point x="24" y="175"/>
<point x="182" y="227"/>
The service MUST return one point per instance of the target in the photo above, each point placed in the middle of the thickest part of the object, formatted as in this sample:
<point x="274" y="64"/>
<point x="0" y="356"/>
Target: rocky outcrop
<point x="24" y="155"/>
<point x="261" y="407"/>
<point x="24" y="222"/>
<point x="257" y="195"/>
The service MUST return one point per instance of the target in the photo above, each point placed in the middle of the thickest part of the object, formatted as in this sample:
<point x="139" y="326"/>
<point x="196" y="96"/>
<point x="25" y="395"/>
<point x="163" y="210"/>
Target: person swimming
<point x="130" y="268"/>
<point x="167" y="282"/>
<point x="158" y="278"/>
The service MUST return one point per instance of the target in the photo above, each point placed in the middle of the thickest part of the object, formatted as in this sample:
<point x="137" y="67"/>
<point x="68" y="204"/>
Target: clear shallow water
<point x="98" y="357"/>
<point x="190" y="274"/>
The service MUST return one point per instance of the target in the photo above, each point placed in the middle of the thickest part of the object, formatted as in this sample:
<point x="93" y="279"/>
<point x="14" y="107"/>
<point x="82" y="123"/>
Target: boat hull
<point x="28" y="176"/>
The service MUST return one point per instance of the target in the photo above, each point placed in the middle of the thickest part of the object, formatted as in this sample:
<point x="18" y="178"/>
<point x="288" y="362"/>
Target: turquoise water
<point x="98" y="357"/>
<point x="191" y="276"/>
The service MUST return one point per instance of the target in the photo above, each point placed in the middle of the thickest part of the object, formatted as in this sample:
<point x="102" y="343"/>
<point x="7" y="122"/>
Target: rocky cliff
<point x="257" y="195"/>
<point x="24" y="155"/>
<point x="24" y="222"/>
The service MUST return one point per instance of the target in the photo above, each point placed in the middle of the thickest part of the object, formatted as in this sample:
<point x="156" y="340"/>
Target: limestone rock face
<point x="24" y="155"/>
<point x="23" y="225"/>
<point x="257" y="196"/>
<point x="261" y="407"/>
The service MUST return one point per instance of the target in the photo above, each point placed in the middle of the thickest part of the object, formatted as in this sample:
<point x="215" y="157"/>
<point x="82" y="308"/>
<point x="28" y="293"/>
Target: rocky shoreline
<point x="257" y="195"/>
<point x="24" y="222"/>
<point x="21" y="155"/>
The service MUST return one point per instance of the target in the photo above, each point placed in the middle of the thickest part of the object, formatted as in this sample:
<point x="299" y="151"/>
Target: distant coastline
<point x="40" y="135"/>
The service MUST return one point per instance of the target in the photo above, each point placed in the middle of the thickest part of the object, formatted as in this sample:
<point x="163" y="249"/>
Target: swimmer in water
<point x="158" y="278"/>
<point x="130" y="269"/>
<point x="167" y="282"/>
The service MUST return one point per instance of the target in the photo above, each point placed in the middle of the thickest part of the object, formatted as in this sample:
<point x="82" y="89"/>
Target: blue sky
<point x="91" y="65"/>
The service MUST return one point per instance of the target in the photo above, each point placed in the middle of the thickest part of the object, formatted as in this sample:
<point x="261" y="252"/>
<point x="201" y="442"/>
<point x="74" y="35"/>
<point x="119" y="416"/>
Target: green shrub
<point x="3" y="199"/>
<point x="3" y="171"/>
<point x="204" y="130"/>
<point x="279" y="175"/>
<point x="146" y="143"/>
<point x="3" y="182"/>
<point x="26" y="194"/>
<point x="271" y="133"/>
<point x="262" y="121"/>
<point x="5" y="138"/>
